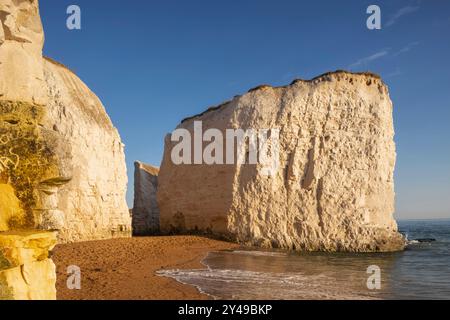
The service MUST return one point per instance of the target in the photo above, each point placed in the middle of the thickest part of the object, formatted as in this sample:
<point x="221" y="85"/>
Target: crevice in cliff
<point x="308" y="177"/>
<point x="319" y="207"/>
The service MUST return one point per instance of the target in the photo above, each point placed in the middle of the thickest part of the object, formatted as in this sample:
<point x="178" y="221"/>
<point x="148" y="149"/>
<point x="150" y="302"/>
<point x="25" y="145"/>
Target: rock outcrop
<point x="333" y="189"/>
<point x="145" y="214"/>
<point x="26" y="272"/>
<point x="62" y="163"/>
<point x="94" y="200"/>
<point x="21" y="42"/>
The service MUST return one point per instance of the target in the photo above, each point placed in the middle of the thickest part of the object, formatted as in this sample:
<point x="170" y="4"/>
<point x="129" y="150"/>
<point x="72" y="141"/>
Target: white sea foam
<point x="244" y="284"/>
<point x="260" y="253"/>
<point x="417" y="273"/>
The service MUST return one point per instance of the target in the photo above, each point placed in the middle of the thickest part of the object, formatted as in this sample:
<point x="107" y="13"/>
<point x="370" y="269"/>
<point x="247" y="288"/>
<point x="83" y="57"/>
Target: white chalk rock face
<point x="145" y="214"/>
<point x="94" y="201"/>
<point x="83" y="193"/>
<point x="333" y="189"/>
<point x="21" y="42"/>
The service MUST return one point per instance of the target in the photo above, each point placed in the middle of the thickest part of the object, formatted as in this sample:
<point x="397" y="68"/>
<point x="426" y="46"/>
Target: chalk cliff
<point x="94" y="199"/>
<point x="26" y="272"/>
<point x="145" y="214"/>
<point x="333" y="189"/>
<point x="21" y="42"/>
<point x="62" y="163"/>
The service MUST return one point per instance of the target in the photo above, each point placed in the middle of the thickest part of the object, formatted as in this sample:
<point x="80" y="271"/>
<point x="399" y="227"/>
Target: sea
<point x="422" y="271"/>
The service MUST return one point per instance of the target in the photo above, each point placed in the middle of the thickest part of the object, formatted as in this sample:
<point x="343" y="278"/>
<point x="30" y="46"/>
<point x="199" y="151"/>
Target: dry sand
<point x="121" y="269"/>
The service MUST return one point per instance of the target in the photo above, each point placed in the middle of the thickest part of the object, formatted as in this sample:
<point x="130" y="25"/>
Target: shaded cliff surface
<point x="145" y="213"/>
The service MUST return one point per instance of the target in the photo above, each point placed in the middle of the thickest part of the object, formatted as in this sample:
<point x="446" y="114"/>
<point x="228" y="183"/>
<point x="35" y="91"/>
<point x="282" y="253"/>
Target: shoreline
<point x="125" y="269"/>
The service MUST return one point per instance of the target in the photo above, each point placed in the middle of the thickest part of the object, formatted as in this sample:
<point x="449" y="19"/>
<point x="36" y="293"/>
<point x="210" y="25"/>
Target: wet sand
<point x="122" y="269"/>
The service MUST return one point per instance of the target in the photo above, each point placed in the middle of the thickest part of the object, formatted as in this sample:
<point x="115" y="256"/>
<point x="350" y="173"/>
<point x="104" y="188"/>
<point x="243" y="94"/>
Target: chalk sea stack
<point x="334" y="189"/>
<point x="145" y="213"/>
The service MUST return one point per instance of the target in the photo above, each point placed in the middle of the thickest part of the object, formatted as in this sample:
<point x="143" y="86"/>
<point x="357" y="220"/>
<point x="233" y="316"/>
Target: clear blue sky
<point x="152" y="63"/>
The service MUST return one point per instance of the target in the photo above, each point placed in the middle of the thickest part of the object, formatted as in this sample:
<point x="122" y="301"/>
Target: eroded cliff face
<point x="94" y="199"/>
<point x="62" y="164"/>
<point x="21" y="42"/>
<point x="145" y="213"/>
<point x="26" y="272"/>
<point x="31" y="157"/>
<point x="333" y="189"/>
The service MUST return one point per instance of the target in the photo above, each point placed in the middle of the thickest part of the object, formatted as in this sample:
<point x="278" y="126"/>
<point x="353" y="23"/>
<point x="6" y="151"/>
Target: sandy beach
<point x="122" y="269"/>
